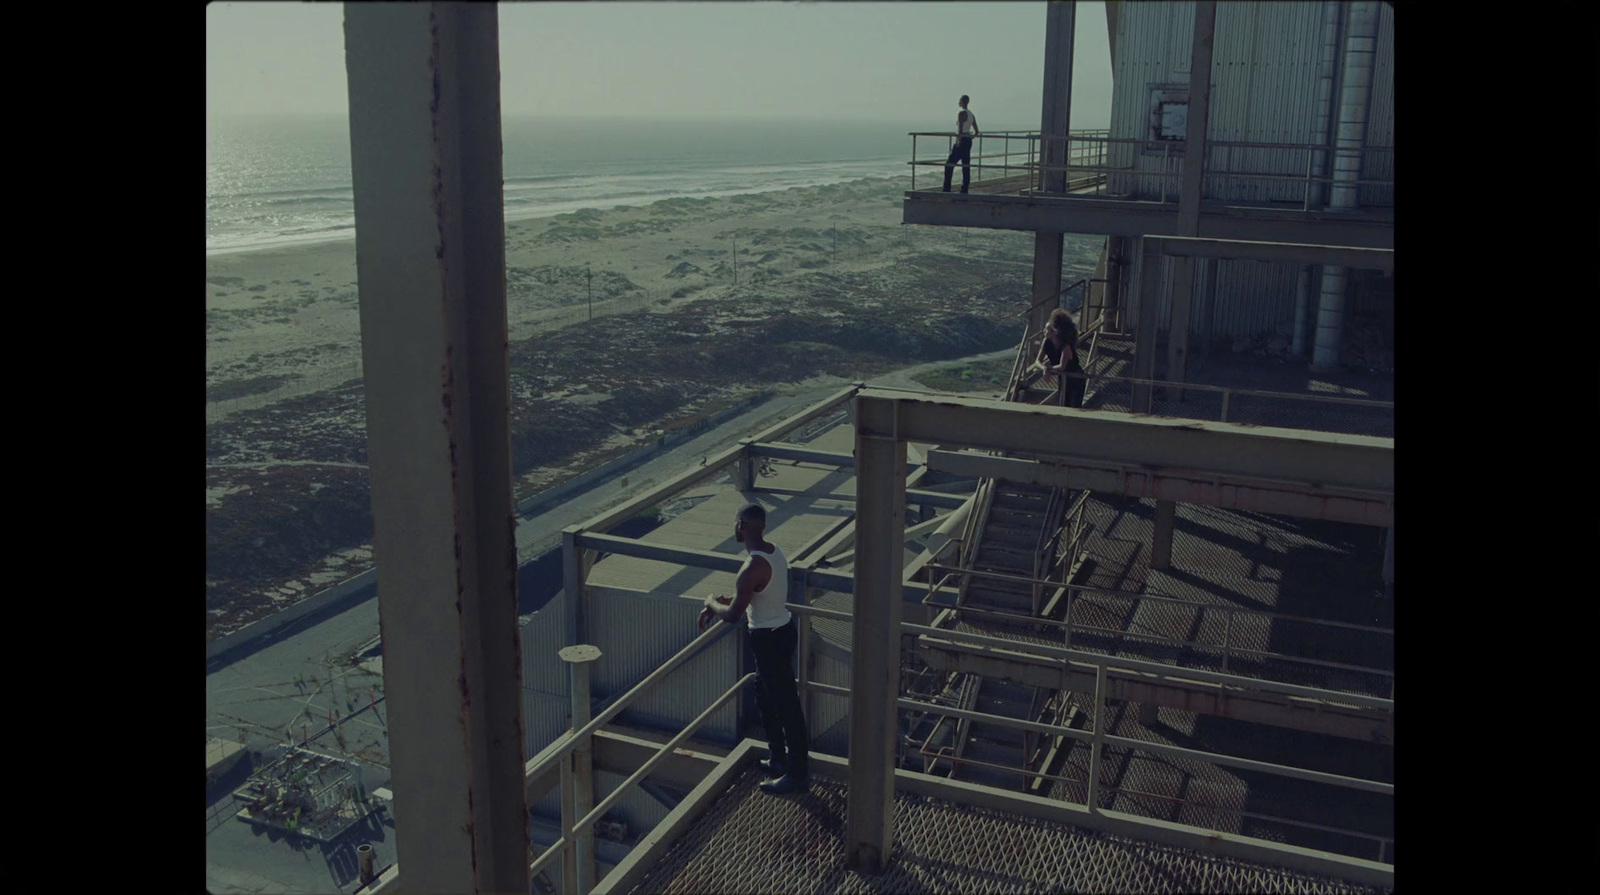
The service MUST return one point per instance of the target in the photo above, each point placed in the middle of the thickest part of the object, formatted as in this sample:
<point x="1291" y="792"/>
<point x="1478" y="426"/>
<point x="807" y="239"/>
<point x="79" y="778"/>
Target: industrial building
<point x="1145" y="645"/>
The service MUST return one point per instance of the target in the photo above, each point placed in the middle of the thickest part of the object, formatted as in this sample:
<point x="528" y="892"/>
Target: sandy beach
<point x="830" y="287"/>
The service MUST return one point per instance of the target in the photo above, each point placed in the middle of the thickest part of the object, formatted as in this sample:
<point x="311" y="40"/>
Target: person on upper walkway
<point x="966" y="129"/>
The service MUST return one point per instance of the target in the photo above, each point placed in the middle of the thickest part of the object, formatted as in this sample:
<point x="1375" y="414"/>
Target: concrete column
<point x="744" y="470"/>
<point x="1116" y="277"/>
<point x="1302" y="311"/>
<point x="1047" y="249"/>
<point x="1388" y="561"/>
<point x="1179" y="320"/>
<point x="1161" y="543"/>
<point x="1194" y="152"/>
<point x="424" y="100"/>
<point x="875" y="666"/>
<point x="577" y="799"/>
<point x="1211" y="303"/>
<point x="1056" y="115"/>
<point x="1150" y="280"/>
<point x="1330" y="321"/>
<point x="1349" y="141"/>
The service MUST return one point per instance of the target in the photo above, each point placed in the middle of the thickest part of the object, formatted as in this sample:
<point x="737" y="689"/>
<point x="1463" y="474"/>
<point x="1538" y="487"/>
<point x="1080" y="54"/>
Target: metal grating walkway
<point x="752" y="842"/>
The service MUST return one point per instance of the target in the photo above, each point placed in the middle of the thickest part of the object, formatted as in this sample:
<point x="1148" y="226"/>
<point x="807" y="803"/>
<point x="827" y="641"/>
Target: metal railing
<point x="560" y="753"/>
<point x="1069" y="592"/>
<point x="1096" y="383"/>
<point x="1098" y="737"/>
<point x="1012" y="162"/>
<point x="1146" y="170"/>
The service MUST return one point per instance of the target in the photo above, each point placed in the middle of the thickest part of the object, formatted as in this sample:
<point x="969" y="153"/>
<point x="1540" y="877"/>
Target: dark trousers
<point x="961" y="152"/>
<point x="1074" y="388"/>
<point x="778" y="698"/>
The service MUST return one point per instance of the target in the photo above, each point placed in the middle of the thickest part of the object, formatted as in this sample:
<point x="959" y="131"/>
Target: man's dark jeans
<point x="778" y="698"/>
<point x="961" y="152"/>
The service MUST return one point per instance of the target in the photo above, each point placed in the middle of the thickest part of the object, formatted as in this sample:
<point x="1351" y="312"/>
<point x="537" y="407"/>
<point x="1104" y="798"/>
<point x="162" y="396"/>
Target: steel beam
<point x="1282" y="252"/>
<point x="1150" y="278"/>
<point x="781" y="451"/>
<point x="1056" y="113"/>
<point x="424" y="115"/>
<point x="1255" y="495"/>
<point x="1117" y="217"/>
<point x="1319" y="459"/>
<point x="914" y="497"/>
<point x="1194" y="144"/>
<point x="875" y="664"/>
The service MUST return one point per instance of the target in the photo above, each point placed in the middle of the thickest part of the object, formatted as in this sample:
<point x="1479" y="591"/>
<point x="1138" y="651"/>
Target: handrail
<point x="560" y="846"/>
<point x="1162" y="598"/>
<point x="1045" y="653"/>
<point x="1083" y="147"/>
<point x="1098" y="737"/>
<point x="551" y="755"/>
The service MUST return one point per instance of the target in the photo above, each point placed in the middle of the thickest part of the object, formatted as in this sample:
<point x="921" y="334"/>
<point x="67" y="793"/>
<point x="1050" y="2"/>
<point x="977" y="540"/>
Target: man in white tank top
<point x="762" y="592"/>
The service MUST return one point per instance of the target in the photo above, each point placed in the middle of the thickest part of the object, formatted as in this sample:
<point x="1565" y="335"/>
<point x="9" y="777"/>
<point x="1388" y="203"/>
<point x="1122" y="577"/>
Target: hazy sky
<point x="893" y="62"/>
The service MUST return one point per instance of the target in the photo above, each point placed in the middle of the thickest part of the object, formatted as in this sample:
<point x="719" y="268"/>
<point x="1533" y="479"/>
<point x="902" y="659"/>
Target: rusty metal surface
<point x="756" y="843"/>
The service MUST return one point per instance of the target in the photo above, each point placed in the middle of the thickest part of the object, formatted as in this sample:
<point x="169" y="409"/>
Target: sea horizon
<point x="284" y="180"/>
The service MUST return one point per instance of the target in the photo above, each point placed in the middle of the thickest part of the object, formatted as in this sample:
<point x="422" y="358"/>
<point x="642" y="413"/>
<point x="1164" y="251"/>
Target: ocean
<point x="285" y="180"/>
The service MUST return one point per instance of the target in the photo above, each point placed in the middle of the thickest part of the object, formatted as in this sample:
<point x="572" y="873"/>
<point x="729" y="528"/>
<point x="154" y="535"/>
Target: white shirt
<point x="970" y="126"/>
<point x="766" y="609"/>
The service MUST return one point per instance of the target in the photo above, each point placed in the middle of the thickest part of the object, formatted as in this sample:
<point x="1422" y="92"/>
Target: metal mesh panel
<point x="751" y="842"/>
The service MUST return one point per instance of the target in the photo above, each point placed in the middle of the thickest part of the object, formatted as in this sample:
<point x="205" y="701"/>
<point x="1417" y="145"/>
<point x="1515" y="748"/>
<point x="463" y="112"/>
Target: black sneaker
<point x="772" y="767"/>
<point x="784" y="785"/>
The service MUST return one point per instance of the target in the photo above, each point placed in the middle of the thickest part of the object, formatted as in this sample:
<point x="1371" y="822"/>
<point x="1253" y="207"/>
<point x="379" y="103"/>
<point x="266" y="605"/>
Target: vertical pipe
<point x="1099" y="736"/>
<point x="569" y="851"/>
<point x="1350" y="138"/>
<point x="367" y="863"/>
<point x="1302" y="311"/>
<point x="579" y="799"/>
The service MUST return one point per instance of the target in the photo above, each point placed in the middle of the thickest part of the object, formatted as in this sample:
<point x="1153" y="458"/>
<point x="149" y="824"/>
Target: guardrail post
<point x="577" y="777"/>
<point x="1099" y="736"/>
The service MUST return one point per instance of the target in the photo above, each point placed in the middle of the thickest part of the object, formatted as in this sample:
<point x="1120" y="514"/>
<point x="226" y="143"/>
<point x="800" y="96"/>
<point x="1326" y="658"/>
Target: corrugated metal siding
<point x="542" y="639"/>
<point x="1264" y="80"/>
<point x="636" y="635"/>
<point x="1252" y="297"/>
<point x="637" y="807"/>
<point x="544" y="677"/>
<point x="828" y="733"/>
<point x="544" y="718"/>
<point x="1380" y="116"/>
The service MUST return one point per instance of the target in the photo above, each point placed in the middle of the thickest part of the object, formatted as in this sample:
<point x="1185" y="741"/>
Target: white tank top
<point x="766" y="609"/>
